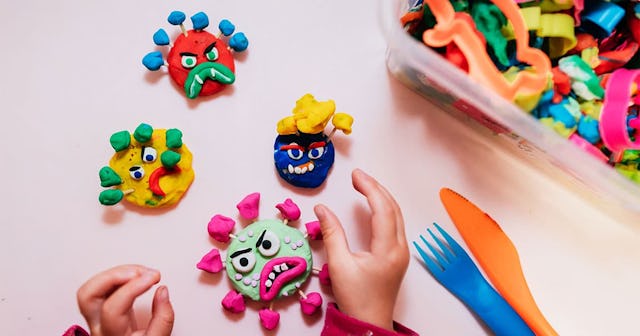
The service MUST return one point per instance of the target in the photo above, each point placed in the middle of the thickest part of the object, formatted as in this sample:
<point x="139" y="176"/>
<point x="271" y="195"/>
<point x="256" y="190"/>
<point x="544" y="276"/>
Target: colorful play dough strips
<point x="572" y="64"/>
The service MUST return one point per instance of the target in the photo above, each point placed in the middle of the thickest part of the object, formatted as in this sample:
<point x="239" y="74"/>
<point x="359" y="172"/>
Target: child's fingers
<point x="94" y="291"/>
<point x="162" y="315"/>
<point x="333" y="236"/>
<point x="382" y="211"/>
<point x="115" y="310"/>
<point x="399" y="222"/>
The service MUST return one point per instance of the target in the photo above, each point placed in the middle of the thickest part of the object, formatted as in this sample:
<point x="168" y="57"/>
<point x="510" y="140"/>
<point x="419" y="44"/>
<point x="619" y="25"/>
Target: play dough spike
<point x="249" y="206"/>
<point x="143" y="133"/>
<point x="226" y="27"/>
<point x="120" y="140"/>
<point x="289" y="210"/>
<point x="153" y="61"/>
<point x="239" y="42"/>
<point x="161" y="38"/>
<point x="176" y="18"/>
<point x="200" y="21"/>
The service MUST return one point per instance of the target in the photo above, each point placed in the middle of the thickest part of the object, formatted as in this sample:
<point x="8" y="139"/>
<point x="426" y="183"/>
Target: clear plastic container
<point x="502" y="122"/>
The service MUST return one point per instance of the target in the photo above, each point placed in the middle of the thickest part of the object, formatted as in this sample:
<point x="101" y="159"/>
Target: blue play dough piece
<point x="160" y="37"/>
<point x="176" y="18"/>
<point x="200" y="21"/>
<point x="301" y="159"/>
<point x="588" y="129"/>
<point x="560" y="113"/>
<point x="226" y="27"/>
<point x="153" y="60"/>
<point x="238" y="42"/>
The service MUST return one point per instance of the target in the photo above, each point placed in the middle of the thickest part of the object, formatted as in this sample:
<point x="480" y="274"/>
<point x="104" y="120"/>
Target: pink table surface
<point x="72" y="75"/>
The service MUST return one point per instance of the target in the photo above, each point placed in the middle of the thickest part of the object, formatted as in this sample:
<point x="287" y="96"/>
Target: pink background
<point x="73" y="75"/>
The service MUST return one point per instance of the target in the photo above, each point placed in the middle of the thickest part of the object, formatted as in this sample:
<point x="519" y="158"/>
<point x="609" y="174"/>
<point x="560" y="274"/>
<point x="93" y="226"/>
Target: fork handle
<point x="497" y="314"/>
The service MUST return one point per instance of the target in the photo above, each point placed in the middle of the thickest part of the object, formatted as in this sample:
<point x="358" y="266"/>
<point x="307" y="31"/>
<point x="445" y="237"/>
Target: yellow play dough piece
<point x="173" y="183"/>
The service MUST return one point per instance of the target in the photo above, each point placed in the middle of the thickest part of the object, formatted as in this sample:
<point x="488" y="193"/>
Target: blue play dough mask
<point x="302" y="160"/>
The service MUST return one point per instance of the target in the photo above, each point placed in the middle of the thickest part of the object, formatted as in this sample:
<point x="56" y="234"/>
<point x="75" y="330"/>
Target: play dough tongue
<point x="207" y="71"/>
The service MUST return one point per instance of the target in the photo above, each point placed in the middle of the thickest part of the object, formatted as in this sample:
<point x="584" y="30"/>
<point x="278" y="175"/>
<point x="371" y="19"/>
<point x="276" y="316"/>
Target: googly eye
<point x="294" y="153"/>
<point x="244" y="262"/>
<point x="269" y="244"/>
<point x="149" y="154"/>
<point x="315" y="153"/>
<point x="188" y="61"/>
<point x="136" y="172"/>
<point x="212" y="55"/>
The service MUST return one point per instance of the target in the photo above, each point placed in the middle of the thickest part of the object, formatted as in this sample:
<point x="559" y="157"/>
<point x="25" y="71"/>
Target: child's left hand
<point x="106" y="302"/>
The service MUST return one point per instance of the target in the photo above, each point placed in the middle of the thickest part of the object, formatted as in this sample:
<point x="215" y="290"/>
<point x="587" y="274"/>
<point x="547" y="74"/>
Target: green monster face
<point x="268" y="260"/>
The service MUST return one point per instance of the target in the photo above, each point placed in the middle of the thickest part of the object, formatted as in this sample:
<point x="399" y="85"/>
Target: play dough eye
<point x="212" y="55"/>
<point x="243" y="261"/>
<point x="268" y="244"/>
<point x="188" y="61"/>
<point x="315" y="153"/>
<point x="149" y="154"/>
<point x="294" y="153"/>
<point x="136" y="172"/>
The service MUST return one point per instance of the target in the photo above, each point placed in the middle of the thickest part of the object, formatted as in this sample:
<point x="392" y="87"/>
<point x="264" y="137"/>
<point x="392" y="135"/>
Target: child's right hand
<point x="106" y="302"/>
<point x="365" y="284"/>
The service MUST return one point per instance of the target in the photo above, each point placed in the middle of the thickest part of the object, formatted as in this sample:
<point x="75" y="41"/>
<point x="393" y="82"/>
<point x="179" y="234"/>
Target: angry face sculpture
<point x="266" y="260"/>
<point x="151" y="168"/>
<point x="303" y="154"/>
<point x="198" y="61"/>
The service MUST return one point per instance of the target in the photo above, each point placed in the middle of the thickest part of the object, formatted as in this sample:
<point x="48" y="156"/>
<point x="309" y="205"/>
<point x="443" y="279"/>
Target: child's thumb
<point x="332" y="232"/>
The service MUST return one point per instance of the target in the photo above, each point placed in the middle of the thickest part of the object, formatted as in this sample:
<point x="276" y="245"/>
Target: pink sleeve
<point x="338" y="324"/>
<point x="75" y="331"/>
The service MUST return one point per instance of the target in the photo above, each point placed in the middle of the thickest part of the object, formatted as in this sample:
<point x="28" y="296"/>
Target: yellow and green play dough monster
<point x="150" y="168"/>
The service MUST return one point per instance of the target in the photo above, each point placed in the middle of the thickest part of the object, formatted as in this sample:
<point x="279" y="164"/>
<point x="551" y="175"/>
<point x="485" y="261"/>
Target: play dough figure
<point x="266" y="260"/>
<point x="150" y="168"/>
<point x="198" y="61"/>
<point x="303" y="154"/>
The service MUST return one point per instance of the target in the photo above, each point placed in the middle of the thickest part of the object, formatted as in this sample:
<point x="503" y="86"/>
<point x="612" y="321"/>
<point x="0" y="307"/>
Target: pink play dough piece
<point x="211" y="262"/>
<point x="289" y="210"/>
<point x="220" y="227"/>
<point x="323" y="275"/>
<point x="234" y="302"/>
<point x="269" y="318"/>
<point x="311" y="304"/>
<point x="248" y="207"/>
<point x="313" y="230"/>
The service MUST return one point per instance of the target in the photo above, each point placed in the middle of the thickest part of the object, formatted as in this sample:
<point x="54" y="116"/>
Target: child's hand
<point x="106" y="302"/>
<point x="365" y="284"/>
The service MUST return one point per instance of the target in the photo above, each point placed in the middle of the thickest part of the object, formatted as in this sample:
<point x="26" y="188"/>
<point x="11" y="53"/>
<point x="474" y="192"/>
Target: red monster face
<point x="201" y="62"/>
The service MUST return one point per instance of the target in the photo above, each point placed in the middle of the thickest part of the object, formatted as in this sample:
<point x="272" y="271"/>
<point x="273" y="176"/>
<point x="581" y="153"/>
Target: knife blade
<point x="497" y="256"/>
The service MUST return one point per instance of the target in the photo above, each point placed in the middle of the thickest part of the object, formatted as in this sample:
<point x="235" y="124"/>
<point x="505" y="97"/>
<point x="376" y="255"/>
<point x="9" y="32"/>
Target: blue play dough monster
<point x="303" y="160"/>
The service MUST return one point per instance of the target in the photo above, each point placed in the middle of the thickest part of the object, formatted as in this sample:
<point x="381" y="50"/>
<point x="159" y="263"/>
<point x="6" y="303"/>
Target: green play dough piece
<point x="174" y="138"/>
<point x="108" y="177"/>
<point x="170" y="159"/>
<point x="143" y="132"/>
<point x="110" y="197"/>
<point x="489" y="19"/>
<point x="120" y="140"/>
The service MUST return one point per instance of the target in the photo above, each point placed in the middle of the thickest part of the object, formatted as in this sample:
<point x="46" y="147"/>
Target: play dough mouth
<point x="277" y="273"/>
<point x="154" y="179"/>
<point x="301" y="169"/>
<point x="207" y="71"/>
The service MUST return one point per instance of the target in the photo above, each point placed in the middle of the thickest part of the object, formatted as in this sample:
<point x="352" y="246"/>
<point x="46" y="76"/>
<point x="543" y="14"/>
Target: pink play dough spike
<point x="313" y="230"/>
<point x="311" y="303"/>
<point x="289" y="210"/>
<point x="269" y="318"/>
<point x="211" y="262"/>
<point x="323" y="275"/>
<point x="220" y="227"/>
<point x="234" y="302"/>
<point x="248" y="207"/>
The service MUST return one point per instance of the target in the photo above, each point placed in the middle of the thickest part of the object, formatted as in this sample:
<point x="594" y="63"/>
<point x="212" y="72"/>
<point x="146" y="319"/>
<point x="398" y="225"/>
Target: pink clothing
<point x="338" y="324"/>
<point x="335" y="324"/>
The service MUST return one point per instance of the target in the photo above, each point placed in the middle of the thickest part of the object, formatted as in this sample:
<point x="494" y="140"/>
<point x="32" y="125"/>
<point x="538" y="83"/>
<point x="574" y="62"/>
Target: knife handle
<point x="496" y="313"/>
